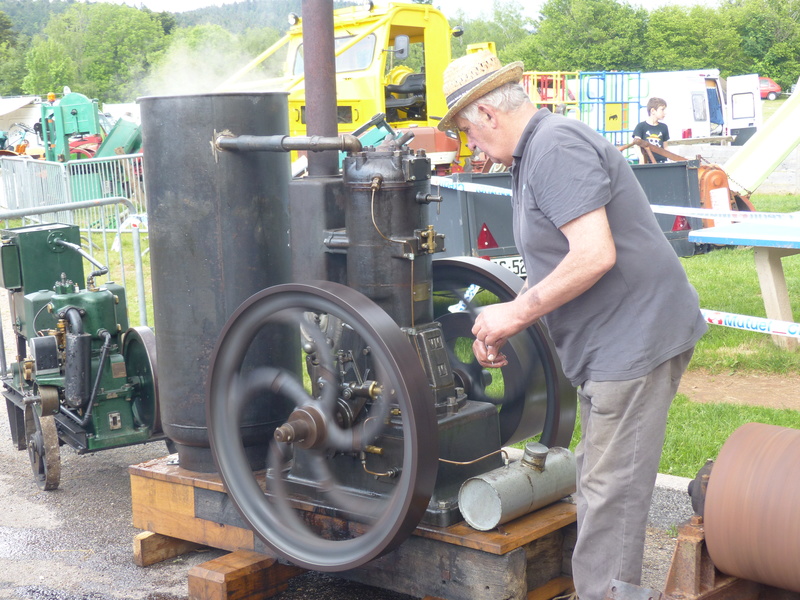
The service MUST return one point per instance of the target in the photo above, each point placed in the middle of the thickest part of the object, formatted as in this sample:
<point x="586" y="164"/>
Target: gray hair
<point x="506" y="98"/>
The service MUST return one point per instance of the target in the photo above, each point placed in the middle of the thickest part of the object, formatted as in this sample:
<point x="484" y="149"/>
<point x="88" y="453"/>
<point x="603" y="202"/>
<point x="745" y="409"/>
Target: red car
<point x="769" y="89"/>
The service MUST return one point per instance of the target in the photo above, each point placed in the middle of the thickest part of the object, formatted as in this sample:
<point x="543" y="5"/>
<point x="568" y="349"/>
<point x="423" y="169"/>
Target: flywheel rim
<point x="415" y="485"/>
<point x="139" y="355"/>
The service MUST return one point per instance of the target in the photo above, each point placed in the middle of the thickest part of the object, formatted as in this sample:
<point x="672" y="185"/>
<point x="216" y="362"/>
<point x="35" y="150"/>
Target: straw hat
<point x="468" y="78"/>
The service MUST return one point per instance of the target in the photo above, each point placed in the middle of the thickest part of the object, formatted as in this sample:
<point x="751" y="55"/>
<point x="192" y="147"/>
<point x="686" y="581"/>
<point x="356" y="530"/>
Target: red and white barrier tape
<point x="728" y="215"/>
<point x="757" y="324"/>
<point x="465" y="186"/>
<point x="678" y="211"/>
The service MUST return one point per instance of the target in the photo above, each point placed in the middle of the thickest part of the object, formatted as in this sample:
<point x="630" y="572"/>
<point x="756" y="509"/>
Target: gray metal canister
<point x="542" y="477"/>
<point x="219" y="232"/>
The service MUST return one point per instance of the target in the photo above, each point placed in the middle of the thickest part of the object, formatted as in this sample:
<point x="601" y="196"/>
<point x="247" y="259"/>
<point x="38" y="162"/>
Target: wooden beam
<point x="553" y="588"/>
<point x="150" y="548"/>
<point x="240" y="575"/>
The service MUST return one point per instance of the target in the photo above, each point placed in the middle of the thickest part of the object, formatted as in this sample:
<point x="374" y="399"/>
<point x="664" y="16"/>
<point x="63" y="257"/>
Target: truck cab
<point x="389" y="59"/>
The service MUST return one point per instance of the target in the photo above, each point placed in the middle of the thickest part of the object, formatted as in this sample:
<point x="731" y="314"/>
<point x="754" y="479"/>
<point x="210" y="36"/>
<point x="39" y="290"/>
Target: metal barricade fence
<point x="104" y="197"/>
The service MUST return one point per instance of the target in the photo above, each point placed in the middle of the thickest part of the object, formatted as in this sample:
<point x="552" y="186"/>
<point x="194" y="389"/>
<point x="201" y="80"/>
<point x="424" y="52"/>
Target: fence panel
<point x="110" y="231"/>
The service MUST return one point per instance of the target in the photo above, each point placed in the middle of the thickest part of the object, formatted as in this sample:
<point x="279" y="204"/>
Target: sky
<point x="448" y="7"/>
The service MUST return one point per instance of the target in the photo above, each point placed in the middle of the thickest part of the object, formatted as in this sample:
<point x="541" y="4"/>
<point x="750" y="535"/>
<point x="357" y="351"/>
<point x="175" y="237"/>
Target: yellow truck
<point x="389" y="59"/>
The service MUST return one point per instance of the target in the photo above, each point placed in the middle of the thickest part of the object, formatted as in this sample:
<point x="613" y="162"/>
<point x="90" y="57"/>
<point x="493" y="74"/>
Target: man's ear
<point x="489" y="114"/>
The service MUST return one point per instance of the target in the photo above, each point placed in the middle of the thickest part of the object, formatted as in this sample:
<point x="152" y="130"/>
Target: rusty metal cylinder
<point x="383" y="218"/>
<point x="541" y="477"/>
<point x="219" y="232"/>
<point x="752" y="525"/>
<point x="77" y="369"/>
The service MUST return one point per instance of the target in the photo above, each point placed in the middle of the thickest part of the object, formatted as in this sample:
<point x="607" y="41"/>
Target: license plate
<point x="514" y="264"/>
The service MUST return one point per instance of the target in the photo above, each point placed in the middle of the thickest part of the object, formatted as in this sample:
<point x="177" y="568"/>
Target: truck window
<point x="357" y="58"/>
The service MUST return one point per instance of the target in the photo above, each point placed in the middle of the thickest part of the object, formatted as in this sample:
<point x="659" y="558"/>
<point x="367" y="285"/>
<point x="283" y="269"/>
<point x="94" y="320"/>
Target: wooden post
<point x="240" y="575"/>
<point x="773" y="289"/>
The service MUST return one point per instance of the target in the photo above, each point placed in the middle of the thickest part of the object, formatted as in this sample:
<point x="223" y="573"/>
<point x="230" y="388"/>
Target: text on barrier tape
<point x="758" y="324"/>
<point x="729" y="215"/>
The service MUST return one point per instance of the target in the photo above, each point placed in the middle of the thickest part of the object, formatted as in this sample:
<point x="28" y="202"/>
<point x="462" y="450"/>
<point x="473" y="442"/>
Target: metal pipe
<point x="101" y="268"/>
<point x="285" y="143"/>
<point x="319" y="55"/>
<point x="40" y="210"/>
<point x="73" y="316"/>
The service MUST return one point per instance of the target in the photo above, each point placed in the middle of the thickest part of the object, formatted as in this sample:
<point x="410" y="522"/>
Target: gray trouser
<point x="623" y="425"/>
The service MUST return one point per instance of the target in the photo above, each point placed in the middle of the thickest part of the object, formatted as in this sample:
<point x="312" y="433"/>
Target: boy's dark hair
<point x="654" y="103"/>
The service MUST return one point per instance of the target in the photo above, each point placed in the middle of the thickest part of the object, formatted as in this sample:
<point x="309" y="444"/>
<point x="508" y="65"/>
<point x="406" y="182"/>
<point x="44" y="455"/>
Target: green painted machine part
<point x="73" y="116"/>
<point x="125" y="137"/>
<point x="82" y="377"/>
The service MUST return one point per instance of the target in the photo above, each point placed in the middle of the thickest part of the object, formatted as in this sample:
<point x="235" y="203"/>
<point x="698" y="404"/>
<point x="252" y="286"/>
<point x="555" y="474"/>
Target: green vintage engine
<point x="81" y="376"/>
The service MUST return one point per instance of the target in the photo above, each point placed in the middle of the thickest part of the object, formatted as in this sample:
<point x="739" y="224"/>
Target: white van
<point x="701" y="104"/>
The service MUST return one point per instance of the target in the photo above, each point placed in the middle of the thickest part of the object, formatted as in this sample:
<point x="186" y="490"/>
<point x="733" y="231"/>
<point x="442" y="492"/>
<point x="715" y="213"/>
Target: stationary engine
<point x="380" y="413"/>
<point x="80" y="376"/>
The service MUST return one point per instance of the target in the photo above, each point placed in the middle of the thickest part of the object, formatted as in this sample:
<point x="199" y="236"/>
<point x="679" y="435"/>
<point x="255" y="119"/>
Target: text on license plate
<point x="514" y="264"/>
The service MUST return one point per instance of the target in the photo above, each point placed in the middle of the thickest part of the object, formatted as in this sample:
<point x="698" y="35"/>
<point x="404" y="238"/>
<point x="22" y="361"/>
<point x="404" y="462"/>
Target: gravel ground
<point x="75" y="543"/>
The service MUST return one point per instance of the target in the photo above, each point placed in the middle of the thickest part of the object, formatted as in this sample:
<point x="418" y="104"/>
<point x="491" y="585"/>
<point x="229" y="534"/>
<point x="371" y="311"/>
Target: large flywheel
<point x="352" y="459"/>
<point x="532" y="393"/>
<point x="139" y="353"/>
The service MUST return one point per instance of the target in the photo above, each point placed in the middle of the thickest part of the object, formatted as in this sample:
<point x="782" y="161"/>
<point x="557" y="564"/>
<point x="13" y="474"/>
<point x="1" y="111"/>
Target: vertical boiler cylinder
<point x="219" y="232"/>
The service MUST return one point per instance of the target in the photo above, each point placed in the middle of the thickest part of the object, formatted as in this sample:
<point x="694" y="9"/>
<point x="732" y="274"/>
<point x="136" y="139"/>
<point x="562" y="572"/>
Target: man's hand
<point x="493" y="326"/>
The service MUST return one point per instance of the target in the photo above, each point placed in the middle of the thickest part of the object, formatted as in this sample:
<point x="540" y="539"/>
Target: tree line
<point x="736" y="36"/>
<point x="116" y="53"/>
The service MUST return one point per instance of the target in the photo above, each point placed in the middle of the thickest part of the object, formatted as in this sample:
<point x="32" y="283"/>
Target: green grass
<point x="769" y="107"/>
<point x="696" y="432"/>
<point x="115" y="275"/>
<point x="726" y="280"/>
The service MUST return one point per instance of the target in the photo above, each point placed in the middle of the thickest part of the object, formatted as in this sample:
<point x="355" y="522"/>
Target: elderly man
<point x="606" y="283"/>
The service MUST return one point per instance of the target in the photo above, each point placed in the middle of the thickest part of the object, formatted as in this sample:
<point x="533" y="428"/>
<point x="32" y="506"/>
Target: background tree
<point x="50" y="68"/>
<point x="110" y="46"/>
<point x="680" y="38"/>
<point x="506" y="26"/>
<point x="106" y="51"/>
<point x="31" y="16"/>
<point x="12" y="61"/>
<point x="769" y="36"/>
<point x="584" y="35"/>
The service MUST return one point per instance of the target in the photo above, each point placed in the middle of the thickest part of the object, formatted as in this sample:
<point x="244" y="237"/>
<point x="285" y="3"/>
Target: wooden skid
<point x="528" y="559"/>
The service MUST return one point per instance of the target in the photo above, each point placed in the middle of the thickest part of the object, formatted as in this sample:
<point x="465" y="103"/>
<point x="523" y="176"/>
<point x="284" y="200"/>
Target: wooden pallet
<point x="527" y="559"/>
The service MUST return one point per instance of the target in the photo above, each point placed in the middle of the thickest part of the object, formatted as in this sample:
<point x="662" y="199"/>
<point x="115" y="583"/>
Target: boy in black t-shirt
<point x="652" y="129"/>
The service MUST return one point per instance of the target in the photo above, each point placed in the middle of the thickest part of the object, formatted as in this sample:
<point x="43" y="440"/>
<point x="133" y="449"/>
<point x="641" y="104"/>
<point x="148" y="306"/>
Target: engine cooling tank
<point x="542" y="477"/>
<point x="219" y="232"/>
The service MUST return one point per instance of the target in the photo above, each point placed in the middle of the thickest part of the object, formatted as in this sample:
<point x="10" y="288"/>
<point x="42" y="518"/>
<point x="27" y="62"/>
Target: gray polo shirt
<point x="644" y="310"/>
